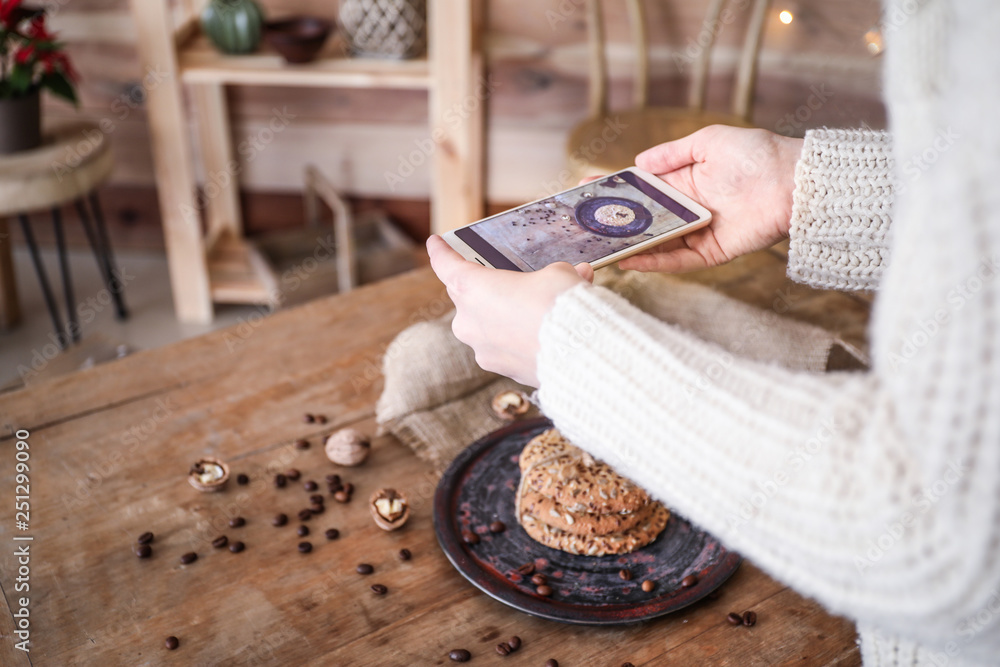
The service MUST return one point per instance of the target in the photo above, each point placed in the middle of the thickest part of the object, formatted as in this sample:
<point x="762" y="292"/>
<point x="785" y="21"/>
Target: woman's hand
<point x="499" y="313"/>
<point x="744" y="177"/>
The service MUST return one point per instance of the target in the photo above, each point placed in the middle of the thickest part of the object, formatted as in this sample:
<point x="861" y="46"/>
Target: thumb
<point x="669" y="156"/>
<point x="585" y="271"/>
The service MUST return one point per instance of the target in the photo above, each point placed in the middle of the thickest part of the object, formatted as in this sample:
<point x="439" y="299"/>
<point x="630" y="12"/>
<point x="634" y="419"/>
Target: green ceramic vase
<point x="233" y="26"/>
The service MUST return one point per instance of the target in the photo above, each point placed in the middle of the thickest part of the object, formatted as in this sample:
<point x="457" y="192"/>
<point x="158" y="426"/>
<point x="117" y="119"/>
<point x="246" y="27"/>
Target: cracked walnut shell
<point x="389" y="509"/>
<point x="209" y="474"/>
<point x="510" y="404"/>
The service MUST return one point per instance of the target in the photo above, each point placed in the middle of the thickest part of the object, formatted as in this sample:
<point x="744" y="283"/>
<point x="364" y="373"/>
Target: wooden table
<point x="110" y="449"/>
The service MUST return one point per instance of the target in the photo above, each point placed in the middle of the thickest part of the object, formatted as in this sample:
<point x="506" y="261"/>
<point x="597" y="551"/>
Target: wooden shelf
<point x="239" y="273"/>
<point x="199" y="62"/>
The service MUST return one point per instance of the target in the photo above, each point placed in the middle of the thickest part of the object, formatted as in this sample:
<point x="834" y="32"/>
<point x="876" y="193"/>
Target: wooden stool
<point x="597" y="146"/>
<point x="72" y="162"/>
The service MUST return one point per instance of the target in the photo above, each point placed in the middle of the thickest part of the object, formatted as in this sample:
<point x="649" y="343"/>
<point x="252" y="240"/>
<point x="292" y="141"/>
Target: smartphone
<point x="599" y="222"/>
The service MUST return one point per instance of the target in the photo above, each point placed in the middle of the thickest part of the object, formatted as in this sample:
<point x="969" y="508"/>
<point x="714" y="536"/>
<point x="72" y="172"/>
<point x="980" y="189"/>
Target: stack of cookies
<point x="569" y="501"/>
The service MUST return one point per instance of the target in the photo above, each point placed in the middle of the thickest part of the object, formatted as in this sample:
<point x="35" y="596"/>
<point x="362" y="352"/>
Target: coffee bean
<point x="470" y="537"/>
<point x="310" y="486"/>
<point x="648" y="586"/>
<point x="498" y="527"/>
<point x="220" y="541"/>
<point x="317" y="499"/>
<point x="379" y="589"/>
<point x="514" y="643"/>
<point x="461" y="655"/>
<point x="348" y="488"/>
<point x="280" y="480"/>
<point x="242" y="479"/>
<point x="544" y="591"/>
<point x="189" y="558"/>
<point x="320" y="419"/>
<point x="526" y="569"/>
<point x="279" y="520"/>
<point x="333" y="488"/>
<point x="625" y="575"/>
<point x="627" y="664"/>
<point x="171" y="643"/>
<point x="734" y="619"/>
<point x="749" y="618"/>
<point x="404" y="554"/>
<point x="237" y="522"/>
<point x="333" y="479"/>
<point x="145" y="538"/>
<point x="332" y="533"/>
<point x="305" y="515"/>
<point x="539" y="579"/>
<point x="551" y="662"/>
<point x="364" y="568"/>
<point x="305" y="547"/>
<point x="503" y="649"/>
<point x="301" y="444"/>
<point x="342" y="496"/>
<point x="689" y="581"/>
<point x="302" y="531"/>
<point x="317" y="509"/>
<point x="308" y="418"/>
<point x="143" y="550"/>
<point x="237" y="547"/>
<point x="293" y="474"/>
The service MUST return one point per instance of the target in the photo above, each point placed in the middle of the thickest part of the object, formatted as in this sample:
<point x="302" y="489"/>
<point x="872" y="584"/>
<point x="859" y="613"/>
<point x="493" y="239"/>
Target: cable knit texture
<point x="876" y="493"/>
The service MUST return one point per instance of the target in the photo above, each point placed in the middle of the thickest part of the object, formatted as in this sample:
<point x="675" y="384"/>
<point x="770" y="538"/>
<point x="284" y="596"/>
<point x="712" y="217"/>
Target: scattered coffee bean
<point x="280" y="480"/>
<point x="364" y="568"/>
<point x="317" y="499"/>
<point x="749" y="618"/>
<point x="301" y="444"/>
<point x="305" y="515"/>
<point x="279" y="520"/>
<point x="220" y="541"/>
<point x="237" y="547"/>
<point x="514" y="643"/>
<point x="189" y="558"/>
<point x="317" y="509"/>
<point x="348" y="488"/>
<point x="143" y="550"/>
<point x="293" y="474"/>
<point x="332" y="533"/>
<point x="342" y="496"/>
<point x="625" y="575"/>
<point x="498" y="527"/>
<point x="333" y="488"/>
<point x="627" y="664"/>
<point x="689" y="581"/>
<point x="648" y="586"/>
<point x="310" y="486"/>
<point x="404" y="554"/>
<point x="302" y="531"/>
<point x="379" y="589"/>
<point x="320" y="419"/>
<point x="308" y="418"/>
<point x="544" y="591"/>
<point x="526" y="569"/>
<point x="503" y="648"/>
<point x="333" y="478"/>
<point x="551" y="662"/>
<point x="539" y="579"/>
<point x="470" y="537"/>
<point x="734" y="619"/>
<point x="237" y="522"/>
<point x="242" y="479"/>
<point x="461" y="655"/>
<point x="305" y="547"/>
<point x="171" y="643"/>
<point x="145" y="538"/>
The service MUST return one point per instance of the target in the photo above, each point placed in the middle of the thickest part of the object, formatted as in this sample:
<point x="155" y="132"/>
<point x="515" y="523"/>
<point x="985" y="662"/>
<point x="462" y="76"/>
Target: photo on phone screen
<point x="583" y="224"/>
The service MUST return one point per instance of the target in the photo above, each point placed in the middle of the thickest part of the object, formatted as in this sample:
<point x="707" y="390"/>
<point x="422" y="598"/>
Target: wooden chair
<point x="597" y="145"/>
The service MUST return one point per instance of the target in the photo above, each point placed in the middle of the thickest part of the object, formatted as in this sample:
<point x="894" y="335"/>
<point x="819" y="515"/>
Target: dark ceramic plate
<point x="479" y="487"/>
<point x="586" y="210"/>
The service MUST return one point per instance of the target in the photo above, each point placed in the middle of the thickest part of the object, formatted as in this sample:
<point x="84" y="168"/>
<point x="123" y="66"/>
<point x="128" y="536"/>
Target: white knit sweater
<point x="876" y="493"/>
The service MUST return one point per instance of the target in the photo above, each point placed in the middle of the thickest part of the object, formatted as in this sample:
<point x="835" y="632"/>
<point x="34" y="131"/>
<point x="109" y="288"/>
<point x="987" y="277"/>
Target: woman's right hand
<point x="745" y="177"/>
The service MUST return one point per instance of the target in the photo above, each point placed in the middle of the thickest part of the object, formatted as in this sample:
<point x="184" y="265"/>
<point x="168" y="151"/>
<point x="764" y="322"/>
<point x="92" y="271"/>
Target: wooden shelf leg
<point x="221" y="188"/>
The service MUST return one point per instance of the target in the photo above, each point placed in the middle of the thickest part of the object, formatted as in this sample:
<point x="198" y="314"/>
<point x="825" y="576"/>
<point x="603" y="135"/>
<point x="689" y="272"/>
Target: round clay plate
<point x="479" y="488"/>
<point x="586" y="214"/>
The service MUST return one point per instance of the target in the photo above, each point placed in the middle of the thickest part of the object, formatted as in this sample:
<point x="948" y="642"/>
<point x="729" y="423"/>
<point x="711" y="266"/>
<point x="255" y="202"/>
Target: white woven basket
<point x="385" y="28"/>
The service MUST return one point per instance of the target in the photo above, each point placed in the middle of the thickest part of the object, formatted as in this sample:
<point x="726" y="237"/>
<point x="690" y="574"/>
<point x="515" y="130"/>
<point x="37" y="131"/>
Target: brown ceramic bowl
<point x="298" y="39"/>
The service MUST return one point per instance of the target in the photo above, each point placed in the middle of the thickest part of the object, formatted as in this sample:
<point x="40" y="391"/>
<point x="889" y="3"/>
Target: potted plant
<point x="30" y="60"/>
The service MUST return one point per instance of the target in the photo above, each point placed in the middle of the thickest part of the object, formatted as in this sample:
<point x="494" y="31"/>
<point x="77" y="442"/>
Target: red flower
<point x="24" y="54"/>
<point x="7" y="8"/>
<point x="37" y="29"/>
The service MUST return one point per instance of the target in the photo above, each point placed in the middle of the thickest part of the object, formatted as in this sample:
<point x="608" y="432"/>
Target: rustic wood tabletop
<point x="107" y="457"/>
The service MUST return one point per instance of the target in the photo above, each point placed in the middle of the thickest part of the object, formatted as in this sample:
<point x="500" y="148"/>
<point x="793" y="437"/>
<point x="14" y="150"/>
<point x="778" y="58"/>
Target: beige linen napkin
<point x="437" y="400"/>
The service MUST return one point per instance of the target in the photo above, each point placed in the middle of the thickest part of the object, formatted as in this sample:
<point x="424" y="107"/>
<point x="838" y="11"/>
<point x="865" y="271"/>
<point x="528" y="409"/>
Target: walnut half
<point x="209" y="474"/>
<point x="510" y="404"/>
<point x="389" y="509"/>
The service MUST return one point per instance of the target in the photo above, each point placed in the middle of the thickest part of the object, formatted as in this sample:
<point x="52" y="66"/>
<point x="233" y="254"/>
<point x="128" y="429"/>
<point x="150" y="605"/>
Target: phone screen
<point x="584" y="224"/>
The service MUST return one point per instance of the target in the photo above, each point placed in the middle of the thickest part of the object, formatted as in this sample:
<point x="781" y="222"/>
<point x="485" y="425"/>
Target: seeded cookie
<point x="571" y="482"/>
<point x="545" y="446"/>
<point x="597" y="545"/>
<point x="577" y="520"/>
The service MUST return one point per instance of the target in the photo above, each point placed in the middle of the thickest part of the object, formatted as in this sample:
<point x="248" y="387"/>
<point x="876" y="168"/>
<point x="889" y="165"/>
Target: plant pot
<point x="233" y="26"/>
<point x="385" y="28"/>
<point x="20" y="123"/>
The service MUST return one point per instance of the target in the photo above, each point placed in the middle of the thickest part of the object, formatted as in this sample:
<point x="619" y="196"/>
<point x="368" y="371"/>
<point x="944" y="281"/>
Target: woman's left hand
<point x="499" y="313"/>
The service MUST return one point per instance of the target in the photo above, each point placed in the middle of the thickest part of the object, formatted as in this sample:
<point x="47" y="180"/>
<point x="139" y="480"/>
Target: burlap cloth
<point x="437" y="400"/>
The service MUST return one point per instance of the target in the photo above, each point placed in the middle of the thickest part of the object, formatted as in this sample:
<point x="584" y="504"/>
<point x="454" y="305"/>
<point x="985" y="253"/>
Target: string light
<point x="873" y="41"/>
<point x="786" y="16"/>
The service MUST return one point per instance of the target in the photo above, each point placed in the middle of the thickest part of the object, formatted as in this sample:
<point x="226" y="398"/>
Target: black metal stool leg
<point x="43" y="279"/>
<point x="114" y="281"/>
<point x="103" y="263"/>
<point x="72" y="325"/>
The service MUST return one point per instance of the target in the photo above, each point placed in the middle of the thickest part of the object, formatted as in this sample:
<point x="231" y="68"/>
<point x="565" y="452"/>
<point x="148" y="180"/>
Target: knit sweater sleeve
<point x="876" y="493"/>
<point x="841" y="209"/>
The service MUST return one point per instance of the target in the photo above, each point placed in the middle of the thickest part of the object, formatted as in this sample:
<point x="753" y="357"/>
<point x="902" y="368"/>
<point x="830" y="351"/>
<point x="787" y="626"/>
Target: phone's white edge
<point x="704" y="217"/>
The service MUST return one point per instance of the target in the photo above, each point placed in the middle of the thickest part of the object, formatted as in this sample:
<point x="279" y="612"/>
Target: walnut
<point x="389" y="509"/>
<point x="510" y="404"/>
<point x="348" y="447"/>
<point x="209" y="474"/>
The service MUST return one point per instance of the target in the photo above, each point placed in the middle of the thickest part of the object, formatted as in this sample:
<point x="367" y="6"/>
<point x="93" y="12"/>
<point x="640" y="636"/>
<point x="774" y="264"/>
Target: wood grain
<point x="111" y="447"/>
